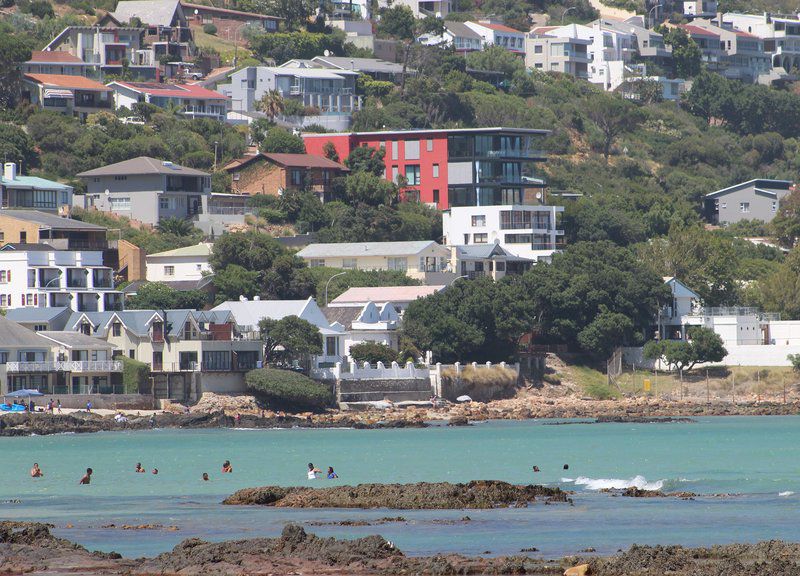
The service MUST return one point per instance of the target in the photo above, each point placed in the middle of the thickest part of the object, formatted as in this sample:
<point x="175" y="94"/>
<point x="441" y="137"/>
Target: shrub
<point x="134" y="375"/>
<point x="373" y="352"/>
<point x="795" y="360"/>
<point x="209" y="29"/>
<point x="287" y="390"/>
<point x="481" y="384"/>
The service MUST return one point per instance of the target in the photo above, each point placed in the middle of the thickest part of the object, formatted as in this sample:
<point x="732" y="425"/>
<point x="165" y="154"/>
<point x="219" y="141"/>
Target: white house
<point x="248" y="313"/>
<point x="461" y="37"/>
<point x="188" y="263"/>
<point x="496" y="34"/>
<point x="684" y="302"/>
<point x="372" y="322"/>
<point x="192" y="101"/>
<point x="36" y="275"/>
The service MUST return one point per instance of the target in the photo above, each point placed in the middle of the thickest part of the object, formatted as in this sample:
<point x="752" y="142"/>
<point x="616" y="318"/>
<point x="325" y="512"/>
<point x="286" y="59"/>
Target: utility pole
<point x="708" y="390"/>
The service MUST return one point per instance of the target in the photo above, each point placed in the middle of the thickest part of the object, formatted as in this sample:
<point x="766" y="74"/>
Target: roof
<point x="483" y="251"/>
<point x="227" y="11"/>
<point x="303" y="161"/>
<point x="154" y="12"/>
<point x="170" y="90"/>
<point x="34" y="183"/>
<point x="698" y="31"/>
<point x="344" y="315"/>
<point x="251" y="312"/>
<point x="679" y="288"/>
<point x="759" y="184"/>
<point x="498" y="27"/>
<point x="52" y="56"/>
<point x="397" y="294"/>
<point x="75" y="340"/>
<point x="743" y="34"/>
<point x="15" y="335"/>
<point x="318" y="73"/>
<point x="360" y="64"/>
<point x="50" y="221"/>
<point x="442" y="131"/>
<point x="26" y="247"/>
<point x="201" y="249"/>
<point x="461" y="30"/>
<point x="349" y="249"/>
<point x="138" y="321"/>
<point x="38" y="315"/>
<point x="65" y="32"/>
<point x="142" y="165"/>
<point x="67" y="81"/>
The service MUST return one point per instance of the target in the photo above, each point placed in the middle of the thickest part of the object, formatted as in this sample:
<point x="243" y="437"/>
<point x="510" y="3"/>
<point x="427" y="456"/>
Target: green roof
<point x="202" y="249"/>
<point x="34" y="182"/>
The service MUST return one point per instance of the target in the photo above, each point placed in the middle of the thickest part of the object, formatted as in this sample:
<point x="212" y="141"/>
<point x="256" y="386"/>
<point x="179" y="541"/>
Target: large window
<point x="316" y="262"/>
<point x="518" y="238"/>
<point x="122" y="203"/>
<point x="412" y="174"/>
<point x="398" y="264"/>
<point x="479" y="221"/>
<point x="246" y="360"/>
<point x="331" y="346"/>
<point x="217" y="360"/>
<point x="349" y="263"/>
<point x="515" y="219"/>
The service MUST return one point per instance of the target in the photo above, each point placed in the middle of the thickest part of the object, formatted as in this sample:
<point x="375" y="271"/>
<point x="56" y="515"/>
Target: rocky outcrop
<point x="422" y="495"/>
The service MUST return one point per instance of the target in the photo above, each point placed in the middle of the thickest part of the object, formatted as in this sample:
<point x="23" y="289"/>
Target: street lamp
<point x="564" y="13"/>
<point x="457" y="278"/>
<point x="650" y="20"/>
<point x="328" y="282"/>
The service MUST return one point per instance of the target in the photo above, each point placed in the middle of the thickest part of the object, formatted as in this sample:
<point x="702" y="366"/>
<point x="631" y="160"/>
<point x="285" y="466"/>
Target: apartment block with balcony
<point x="72" y="95"/>
<point x="56" y="62"/>
<point x="327" y="93"/>
<point x="31" y="192"/>
<point x="35" y="227"/>
<point x="38" y="276"/>
<point x="423" y="260"/>
<point x="56" y="363"/>
<point x="780" y="37"/>
<point x="554" y="54"/>
<point x="741" y="54"/>
<point x="148" y="190"/>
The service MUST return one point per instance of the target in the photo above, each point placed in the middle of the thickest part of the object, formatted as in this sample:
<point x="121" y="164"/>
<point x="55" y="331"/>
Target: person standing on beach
<point x="87" y="478"/>
<point x="36" y="472"/>
<point x="312" y="472"/>
<point x="59" y="406"/>
<point x="89" y="406"/>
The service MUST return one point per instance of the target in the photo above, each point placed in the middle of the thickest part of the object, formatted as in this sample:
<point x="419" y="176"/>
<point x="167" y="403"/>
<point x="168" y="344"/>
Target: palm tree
<point x="271" y="104"/>
<point x="175" y="226"/>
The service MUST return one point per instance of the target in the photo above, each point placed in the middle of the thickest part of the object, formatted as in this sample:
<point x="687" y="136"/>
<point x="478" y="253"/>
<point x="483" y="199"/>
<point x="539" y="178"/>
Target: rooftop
<point x="34" y="183"/>
<point x="441" y="131"/>
<point x="304" y="161"/>
<point x="13" y="334"/>
<point x="698" y="31"/>
<point x="203" y="7"/>
<point x="498" y="27"/>
<point x="75" y="340"/>
<point x="170" y="90"/>
<point x="28" y="315"/>
<point x="142" y="165"/>
<point x="154" y="12"/>
<point x="359" y="64"/>
<point x="461" y="30"/>
<point x="67" y="81"/>
<point x="349" y="249"/>
<point x="49" y="221"/>
<point x="199" y="250"/>
<point x="55" y="56"/>
<point x="397" y="294"/>
<point x="314" y="73"/>
<point x="758" y="183"/>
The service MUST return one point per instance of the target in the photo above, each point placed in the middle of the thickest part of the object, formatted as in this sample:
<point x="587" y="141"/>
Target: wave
<point x="787" y="493"/>
<point x="639" y="482"/>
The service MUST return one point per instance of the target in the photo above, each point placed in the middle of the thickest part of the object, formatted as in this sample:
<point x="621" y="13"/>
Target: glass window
<point x="116" y="329"/>
<point x="316" y="262"/>
<point x="217" y="360"/>
<point x="537" y="49"/>
<point x="331" y="346"/>
<point x="435" y="170"/>
<point x="436" y="196"/>
<point x="429" y="145"/>
<point x="297" y="178"/>
<point x="398" y="264"/>
<point x="518" y="238"/>
<point x="122" y="203"/>
<point x="169" y="270"/>
<point x="412" y="150"/>
<point x="481" y="238"/>
<point x="349" y="263"/>
<point x="412" y="174"/>
<point x="479" y="221"/>
<point x="744" y="207"/>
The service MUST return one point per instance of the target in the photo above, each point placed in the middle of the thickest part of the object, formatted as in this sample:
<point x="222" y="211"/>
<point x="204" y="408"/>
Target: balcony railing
<point x="199" y="367"/>
<point x="66" y="366"/>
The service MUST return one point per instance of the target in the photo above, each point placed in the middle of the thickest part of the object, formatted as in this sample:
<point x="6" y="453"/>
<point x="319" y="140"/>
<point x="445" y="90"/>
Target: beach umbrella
<point x="24" y="393"/>
<point x="464" y="398"/>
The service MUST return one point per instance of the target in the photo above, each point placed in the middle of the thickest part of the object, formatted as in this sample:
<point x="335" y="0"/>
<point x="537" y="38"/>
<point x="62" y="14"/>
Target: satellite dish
<point x="108" y="192"/>
<point x="327" y="52"/>
<point x="538" y="195"/>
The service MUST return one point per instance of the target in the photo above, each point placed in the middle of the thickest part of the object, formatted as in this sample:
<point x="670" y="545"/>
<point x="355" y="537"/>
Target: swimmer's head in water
<point x="310" y="466"/>
<point x="205" y="475"/>
<point x="88" y="470"/>
<point x="155" y="470"/>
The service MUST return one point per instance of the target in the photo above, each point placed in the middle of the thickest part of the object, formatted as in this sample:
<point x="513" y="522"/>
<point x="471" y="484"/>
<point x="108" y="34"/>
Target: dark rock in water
<point x="634" y="492"/>
<point x="458" y="421"/>
<point x="642" y="420"/>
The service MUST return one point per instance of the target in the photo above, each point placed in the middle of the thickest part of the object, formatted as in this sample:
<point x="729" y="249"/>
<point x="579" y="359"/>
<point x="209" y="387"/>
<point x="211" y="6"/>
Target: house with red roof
<point x="273" y="173"/>
<point x="69" y="94"/>
<point x="55" y="62"/>
<point x="496" y="34"/>
<point x="734" y="53"/>
<point x="194" y="101"/>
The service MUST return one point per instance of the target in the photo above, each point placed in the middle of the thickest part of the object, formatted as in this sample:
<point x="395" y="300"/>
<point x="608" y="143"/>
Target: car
<point x="138" y="120"/>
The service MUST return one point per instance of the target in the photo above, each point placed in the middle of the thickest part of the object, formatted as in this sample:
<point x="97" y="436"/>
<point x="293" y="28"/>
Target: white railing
<point x="66" y="366"/>
<point x="366" y="371"/>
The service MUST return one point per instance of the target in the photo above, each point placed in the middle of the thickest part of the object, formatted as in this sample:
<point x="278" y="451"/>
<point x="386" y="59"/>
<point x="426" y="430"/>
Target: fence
<point x="66" y="366"/>
<point x="365" y="371"/>
<point x="436" y="372"/>
<point x="614" y="365"/>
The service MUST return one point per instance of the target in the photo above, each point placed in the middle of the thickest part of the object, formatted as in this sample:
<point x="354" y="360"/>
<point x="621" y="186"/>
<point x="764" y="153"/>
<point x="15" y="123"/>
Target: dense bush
<point x="209" y="29"/>
<point x="287" y="390"/>
<point x="373" y="352"/>
<point x="135" y="375"/>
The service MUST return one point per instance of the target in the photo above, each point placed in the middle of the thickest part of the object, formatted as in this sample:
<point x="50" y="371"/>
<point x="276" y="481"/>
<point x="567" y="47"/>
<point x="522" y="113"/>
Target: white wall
<point x="737" y="356"/>
<point x="185" y="268"/>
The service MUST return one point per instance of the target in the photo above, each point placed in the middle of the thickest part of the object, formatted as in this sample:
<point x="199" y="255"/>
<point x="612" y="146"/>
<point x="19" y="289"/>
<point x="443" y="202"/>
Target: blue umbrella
<point x="24" y="393"/>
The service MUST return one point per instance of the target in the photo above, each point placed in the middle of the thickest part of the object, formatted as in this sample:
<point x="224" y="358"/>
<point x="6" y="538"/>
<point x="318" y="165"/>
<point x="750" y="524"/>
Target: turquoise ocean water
<point x="756" y="459"/>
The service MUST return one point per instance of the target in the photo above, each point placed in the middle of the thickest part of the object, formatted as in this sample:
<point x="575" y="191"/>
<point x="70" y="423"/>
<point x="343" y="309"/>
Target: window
<point x="3" y="357"/>
<point x="539" y="65"/>
<point x="349" y="263"/>
<point x="198" y="267"/>
<point x="537" y="49"/>
<point x="217" y="360"/>
<point x="116" y="329"/>
<point x="39" y="327"/>
<point x="479" y="221"/>
<point x="169" y="270"/>
<point x="296" y="177"/>
<point x="164" y="203"/>
<point x="398" y="264"/>
<point x="412" y="174"/>
<point x="394" y="150"/>
<point x="395" y="173"/>
<point x="5" y="300"/>
<point x="316" y="262"/>
<point x="23" y="237"/>
<point x="519" y="239"/>
<point x="724" y="205"/>
<point x="4" y="276"/>
<point x="429" y="145"/>
<point x="481" y="238"/>
<point x="132" y="354"/>
<point x="774" y="205"/>
<point x="121" y="203"/>
<point x="120" y="177"/>
<point x="30" y="299"/>
<point x="436" y="196"/>
<point x="435" y="170"/>
<point x="331" y="346"/>
<point x="412" y="150"/>
<point x="744" y="207"/>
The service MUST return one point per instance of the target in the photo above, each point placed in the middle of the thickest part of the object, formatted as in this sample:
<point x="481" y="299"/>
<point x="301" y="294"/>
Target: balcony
<point x="66" y="366"/>
<point x="72" y="244"/>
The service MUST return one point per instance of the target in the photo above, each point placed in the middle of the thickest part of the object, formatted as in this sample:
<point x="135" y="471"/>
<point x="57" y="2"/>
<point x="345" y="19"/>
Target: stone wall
<point x="105" y="401"/>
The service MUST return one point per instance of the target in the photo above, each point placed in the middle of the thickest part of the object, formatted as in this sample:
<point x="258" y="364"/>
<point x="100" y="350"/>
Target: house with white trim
<point x="182" y="264"/>
<point x="757" y="199"/>
<point x="376" y="322"/>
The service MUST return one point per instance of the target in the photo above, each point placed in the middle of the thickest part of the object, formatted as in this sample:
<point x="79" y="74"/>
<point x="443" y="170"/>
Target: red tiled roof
<point x="697" y="31"/>
<point x="745" y="34"/>
<point x="304" y="161"/>
<point x="66" y="81"/>
<point x="543" y="29"/>
<point x="202" y="7"/>
<point x="54" y="56"/>
<point x="500" y="28"/>
<point x="172" y="90"/>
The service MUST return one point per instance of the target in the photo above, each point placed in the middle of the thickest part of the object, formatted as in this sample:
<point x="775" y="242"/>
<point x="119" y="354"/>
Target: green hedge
<point x="287" y="390"/>
<point x="135" y="375"/>
<point x="373" y="352"/>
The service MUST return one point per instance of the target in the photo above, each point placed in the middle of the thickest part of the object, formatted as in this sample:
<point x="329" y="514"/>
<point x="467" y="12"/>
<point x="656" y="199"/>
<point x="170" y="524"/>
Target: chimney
<point x="10" y="171"/>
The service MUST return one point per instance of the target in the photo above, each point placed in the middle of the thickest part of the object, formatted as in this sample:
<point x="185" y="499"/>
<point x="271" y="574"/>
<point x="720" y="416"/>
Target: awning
<point x="58" y="93"/>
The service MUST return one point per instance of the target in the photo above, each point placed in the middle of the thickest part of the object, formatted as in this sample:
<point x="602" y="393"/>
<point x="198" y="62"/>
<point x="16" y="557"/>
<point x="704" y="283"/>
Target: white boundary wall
<point x="740" y="355"/>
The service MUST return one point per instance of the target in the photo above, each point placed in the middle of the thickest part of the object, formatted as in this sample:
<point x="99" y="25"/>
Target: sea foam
<point x="639" y="482"/>
<point x="787" y="493"/>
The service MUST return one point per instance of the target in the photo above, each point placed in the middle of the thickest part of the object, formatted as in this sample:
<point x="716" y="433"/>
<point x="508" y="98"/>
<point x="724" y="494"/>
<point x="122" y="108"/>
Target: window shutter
<point x="23" y="299"/>
<point x="9" y="275"/>
<point x="35" y="299"/>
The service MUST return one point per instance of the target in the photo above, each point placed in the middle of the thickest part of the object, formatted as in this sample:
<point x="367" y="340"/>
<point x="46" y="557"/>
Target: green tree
<point x="604" y="333"/>
<point x="786" y="224"/>
<point x="14" y="49"/>
<point x="686" y="55"/>
<point x="373" y="353"/>
<point x="234" y="281"/>
<point x="366" y="188"/>
<point x="703" y="345"/>
<point x="329" y="150"/>
<point x="176" y="226"/>
<point x="290" y="337"/>
<point x="367" y="159"/>
<point x="397" y="22"/>
<point x="612" y="115"/>
<point x="295" y="13"/>
<point x="288" y="390"/>
<point x="496" y="59"/>
<point x="280" y="140"/>
<point x="271" y="103"/>
<point x="251" y="250"/>
<point x="17" y="146"/>
<point x="160" y="296"/>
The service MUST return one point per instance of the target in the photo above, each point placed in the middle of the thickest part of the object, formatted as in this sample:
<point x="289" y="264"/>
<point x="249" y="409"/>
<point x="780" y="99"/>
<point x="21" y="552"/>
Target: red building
<point x="460" y="167"/>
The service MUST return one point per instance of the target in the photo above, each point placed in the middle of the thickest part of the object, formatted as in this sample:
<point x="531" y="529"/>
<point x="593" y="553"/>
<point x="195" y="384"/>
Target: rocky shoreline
<point x="478" y="494"/>
<point x="30" y="548"/>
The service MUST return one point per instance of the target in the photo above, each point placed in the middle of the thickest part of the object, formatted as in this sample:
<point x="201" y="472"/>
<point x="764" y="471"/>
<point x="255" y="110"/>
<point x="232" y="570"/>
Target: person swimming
<point x="331" y="473"/>
<point x="87" y="478"/>
<point x="312" y="472"/>
<point x="155" y="470"/>
<point x="205" y="476"/>
<point x="139" y="469"/>
<point x="36" y="472"/>
<point x="566" y="466"/>
<point x="226" y="467"/>
<point x="536" y="469"/>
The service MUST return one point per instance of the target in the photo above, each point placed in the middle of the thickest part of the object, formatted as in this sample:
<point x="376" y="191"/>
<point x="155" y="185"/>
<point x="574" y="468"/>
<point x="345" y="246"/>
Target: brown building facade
<point x="272" y="173"/>
<point x="229" y="23"/>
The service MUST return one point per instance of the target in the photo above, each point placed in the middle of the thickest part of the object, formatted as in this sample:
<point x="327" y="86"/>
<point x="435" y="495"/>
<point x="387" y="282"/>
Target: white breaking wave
<point x="639" y="482"/>
<point x="787" y="493"/>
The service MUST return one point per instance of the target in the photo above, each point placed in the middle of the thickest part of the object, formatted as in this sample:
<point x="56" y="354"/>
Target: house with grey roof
<point x="423" y="260"/>
<point x="487" y="260"/>
<point x="757" y="199"/>
<point x="461" y="37"/>
<point x="37" y="227"/>
<point x="32" y="192"/>
<point x="375" y="67"/>
<point x="148" y="190"/>
<point x="373" y="322"/>
<point x="165" y="22"/>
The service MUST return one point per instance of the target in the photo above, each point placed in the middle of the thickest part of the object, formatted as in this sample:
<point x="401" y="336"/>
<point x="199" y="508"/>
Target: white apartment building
<point x="780" y="36"/>
<point x="496" y="34"/>
<point x="529" y="232"/>
<point x="189" y="263"/>
<point x="37" y="276"/>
